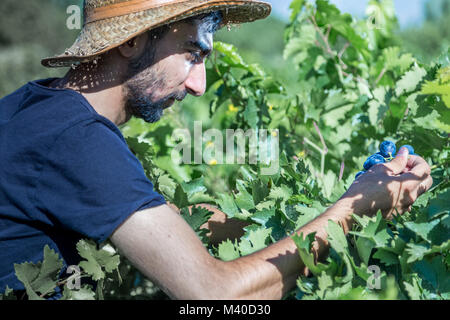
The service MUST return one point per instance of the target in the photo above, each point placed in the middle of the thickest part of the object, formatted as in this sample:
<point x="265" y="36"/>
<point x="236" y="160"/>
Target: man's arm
<point x="160" y="244"/>
<point x="219" y="225"/>
<point x="166" y="250"/>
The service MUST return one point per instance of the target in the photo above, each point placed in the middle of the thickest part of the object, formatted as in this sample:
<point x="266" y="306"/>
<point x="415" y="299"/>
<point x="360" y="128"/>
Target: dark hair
<point x="209" y="22"/>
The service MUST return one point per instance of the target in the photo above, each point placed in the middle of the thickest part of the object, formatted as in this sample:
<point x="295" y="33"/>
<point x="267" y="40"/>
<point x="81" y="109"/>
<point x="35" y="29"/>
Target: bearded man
<point x="67" y="172"/>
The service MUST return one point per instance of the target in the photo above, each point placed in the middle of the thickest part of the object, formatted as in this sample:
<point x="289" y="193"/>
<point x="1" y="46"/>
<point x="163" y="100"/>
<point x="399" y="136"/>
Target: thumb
<point x="398" y="164"/>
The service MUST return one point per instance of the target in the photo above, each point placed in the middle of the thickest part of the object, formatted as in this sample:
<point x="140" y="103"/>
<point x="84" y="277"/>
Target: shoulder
<point x="46" y="116"/>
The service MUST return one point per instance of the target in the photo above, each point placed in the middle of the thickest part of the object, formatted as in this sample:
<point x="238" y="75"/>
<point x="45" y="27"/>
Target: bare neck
<point x="101" y="86"/>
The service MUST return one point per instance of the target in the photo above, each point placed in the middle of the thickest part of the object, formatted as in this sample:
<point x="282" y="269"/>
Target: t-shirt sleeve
<point x="93" y="182"/>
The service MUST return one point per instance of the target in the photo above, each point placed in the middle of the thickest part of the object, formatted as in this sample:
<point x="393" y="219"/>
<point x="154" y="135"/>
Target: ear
<point x="134" y="47"/>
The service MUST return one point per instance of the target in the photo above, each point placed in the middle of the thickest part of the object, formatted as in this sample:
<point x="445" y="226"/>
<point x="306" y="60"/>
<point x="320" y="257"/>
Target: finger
<point x="419" y="166"/>
<point x="424" y="186"/>
<point x="410" y="163"/>
<point x="411" y="159"/>
<point x="417" y="188"/>
<point x="398" y="164"/>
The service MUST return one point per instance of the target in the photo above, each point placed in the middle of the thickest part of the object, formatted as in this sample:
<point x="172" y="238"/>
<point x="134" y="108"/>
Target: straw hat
<point x="110" y="23"/>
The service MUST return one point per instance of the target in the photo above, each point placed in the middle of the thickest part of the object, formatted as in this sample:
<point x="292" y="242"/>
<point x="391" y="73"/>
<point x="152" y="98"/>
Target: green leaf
<point x="41" y="278"/>
<point x="283" y="192"/>
<point x="97" y="261"/>
<point x="410" y="80"/>
<point x="376" y="111"/>
<point x="342" y="23"/>
<point x="374" y="229"/>
<point x="308" y="286"/>
<point x="435" y="88"/>
<point x="296" y="6"/>
<point x="387" y="257"/>
<point x="434" y="272"/>
<point x="297" y="46"/>
<point x="414" y="290"/>
<point x="85" y="293"/>
<point x="228" y="206"/>
<point x="422" y="229"/>
<point x="441" y="86"/>
<point x="262" y="217"/>
<point x="393" y="60"/>
<point x="197" y="218"/>
<point x="417" y="252"/>
<point x="244" y="199"/>
<point x="26" y="273"/>
<point x="364" y="247"/>
<point x="304" y="247"/>
<point x="259" y="191"/>
<point x="337" y="238"/>
<point x="338" y="291"/>
<point x="232" y="57"/>
<point x="265" y="205"/>
<point x="439" y="205"/>
<point x="180" y="199"/>
<point x="167" y="185"/>
<point x="427" y="121"/>
<point x="251" y="114"/>
<point x="255" y="241"/>
<point x="193" y="187"/>
<point x="324" y="282"/>
<point x="307" y="215"/>
<point x="300" y="198"/>
<point x="8" y="294"/>
<point x="227" y="251"/>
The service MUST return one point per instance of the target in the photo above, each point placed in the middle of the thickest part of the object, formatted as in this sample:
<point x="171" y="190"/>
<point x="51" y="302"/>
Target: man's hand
<point x="390" y="187"/>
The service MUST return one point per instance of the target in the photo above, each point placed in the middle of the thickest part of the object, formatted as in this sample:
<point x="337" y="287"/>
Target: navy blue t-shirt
<point x="66" y="173"/>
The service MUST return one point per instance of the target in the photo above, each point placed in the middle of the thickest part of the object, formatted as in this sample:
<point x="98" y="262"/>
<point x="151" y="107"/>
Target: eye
<point x="195" y="57"/>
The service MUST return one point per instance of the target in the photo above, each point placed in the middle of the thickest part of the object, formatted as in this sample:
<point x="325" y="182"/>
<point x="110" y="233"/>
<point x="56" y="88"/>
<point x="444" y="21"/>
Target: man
<point x="67" y="172"/>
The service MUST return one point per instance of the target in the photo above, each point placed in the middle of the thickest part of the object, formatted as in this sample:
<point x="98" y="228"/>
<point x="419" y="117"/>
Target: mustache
<point x="178" y="96"/>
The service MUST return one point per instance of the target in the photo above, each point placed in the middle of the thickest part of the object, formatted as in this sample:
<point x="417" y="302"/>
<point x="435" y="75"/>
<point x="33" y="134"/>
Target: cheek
<point x="177" y="69"/>
<point x="166" y="76"/>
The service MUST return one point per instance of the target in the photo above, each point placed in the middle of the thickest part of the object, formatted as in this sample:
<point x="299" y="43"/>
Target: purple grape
<point x="373" y="160"/>
<point x="359" y="173"/>
<point x="410" y="149"/>
<point x="387" y="148"/>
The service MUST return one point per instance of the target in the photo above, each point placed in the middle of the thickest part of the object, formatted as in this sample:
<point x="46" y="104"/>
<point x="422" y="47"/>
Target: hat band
<point x="124" y="8"/>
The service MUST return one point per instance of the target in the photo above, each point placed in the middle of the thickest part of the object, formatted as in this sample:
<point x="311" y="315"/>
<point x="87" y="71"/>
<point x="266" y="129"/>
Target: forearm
<point x="220" y="226"/>
<point x="272" y="272"/>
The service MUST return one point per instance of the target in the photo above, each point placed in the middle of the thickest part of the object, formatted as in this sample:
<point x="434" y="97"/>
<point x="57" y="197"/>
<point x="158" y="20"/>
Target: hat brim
<point x="101" y="36"/>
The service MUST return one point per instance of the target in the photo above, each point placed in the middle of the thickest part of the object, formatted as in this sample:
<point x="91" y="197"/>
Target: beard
<point x="141" y="104"/>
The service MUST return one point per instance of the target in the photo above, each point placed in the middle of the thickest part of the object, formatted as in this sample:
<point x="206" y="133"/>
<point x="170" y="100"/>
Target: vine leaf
<point x="227" y="251"/>
<point x="256" y="240"/>
<point x="40" y="278"/>
<point x="97" y="261"/>
<point x="410" y="80"/>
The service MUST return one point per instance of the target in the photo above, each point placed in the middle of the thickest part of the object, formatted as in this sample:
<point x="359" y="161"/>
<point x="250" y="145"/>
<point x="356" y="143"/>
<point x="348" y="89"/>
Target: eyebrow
<point x="204" y="47"/>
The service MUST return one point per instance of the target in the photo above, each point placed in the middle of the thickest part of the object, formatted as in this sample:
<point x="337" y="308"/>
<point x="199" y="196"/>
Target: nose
<point x="196" y="81"/>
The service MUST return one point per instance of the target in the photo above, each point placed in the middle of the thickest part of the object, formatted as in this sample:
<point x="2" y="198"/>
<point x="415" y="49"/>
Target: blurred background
<point x="32" y="29"/>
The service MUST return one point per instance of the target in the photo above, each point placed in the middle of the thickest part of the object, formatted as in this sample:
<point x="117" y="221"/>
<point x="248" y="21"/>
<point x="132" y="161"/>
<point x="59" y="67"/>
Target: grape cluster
<point x="386" y="154"/>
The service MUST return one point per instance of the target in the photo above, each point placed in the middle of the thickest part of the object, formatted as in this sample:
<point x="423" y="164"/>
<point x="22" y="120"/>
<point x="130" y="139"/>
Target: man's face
<point x="175" y="69"/>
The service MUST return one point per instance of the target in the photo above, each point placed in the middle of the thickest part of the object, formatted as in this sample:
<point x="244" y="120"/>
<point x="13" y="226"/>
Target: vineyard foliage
<point x="355" y="89"/>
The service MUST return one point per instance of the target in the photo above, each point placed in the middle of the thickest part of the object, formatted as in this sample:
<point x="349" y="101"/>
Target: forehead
<point x="192" y="31"/>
